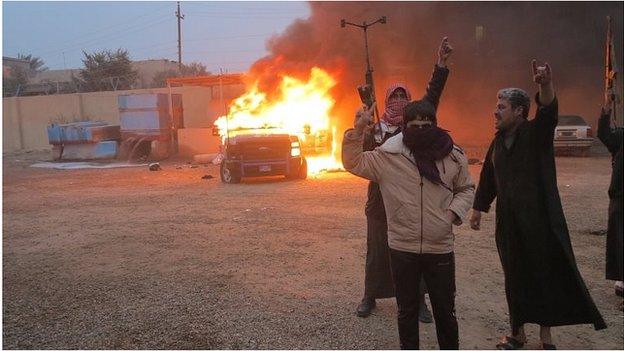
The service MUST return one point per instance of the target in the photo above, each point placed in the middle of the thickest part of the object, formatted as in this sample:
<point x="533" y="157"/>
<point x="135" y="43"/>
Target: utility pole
<point x="180" y="18"/>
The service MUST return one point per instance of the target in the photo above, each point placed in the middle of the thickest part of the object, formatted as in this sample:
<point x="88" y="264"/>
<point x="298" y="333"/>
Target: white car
<point x="573" y="136"/>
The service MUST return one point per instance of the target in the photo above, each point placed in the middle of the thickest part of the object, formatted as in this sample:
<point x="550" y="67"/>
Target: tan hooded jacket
<point x="415" y="207"/>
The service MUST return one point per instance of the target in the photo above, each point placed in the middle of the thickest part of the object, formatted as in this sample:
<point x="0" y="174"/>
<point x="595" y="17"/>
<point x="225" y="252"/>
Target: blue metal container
<point x="81" y="132"/>
<point x="147" y="115"/>
<point x="145" y="121"/>
<point x="90" y="151"/>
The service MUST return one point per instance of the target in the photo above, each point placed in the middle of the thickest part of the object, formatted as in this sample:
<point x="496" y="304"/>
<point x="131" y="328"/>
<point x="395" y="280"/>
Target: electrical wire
<point x="117" y="34"/>
<point x="111" y="26"/>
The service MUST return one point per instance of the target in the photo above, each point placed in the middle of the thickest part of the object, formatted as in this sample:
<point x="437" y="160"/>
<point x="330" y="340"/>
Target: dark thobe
<point x="613" y="141"/>
<point x="542" y="282"/>
<point x="378" y="277"/>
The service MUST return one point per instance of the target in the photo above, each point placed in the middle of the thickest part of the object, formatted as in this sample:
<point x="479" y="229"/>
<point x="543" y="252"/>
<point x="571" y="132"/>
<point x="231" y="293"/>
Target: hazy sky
<point x="228" y="35"/>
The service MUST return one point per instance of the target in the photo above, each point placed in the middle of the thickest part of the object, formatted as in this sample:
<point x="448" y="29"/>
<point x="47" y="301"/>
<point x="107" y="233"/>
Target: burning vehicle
<point x="257" y="153"/>
<point x="289" y="134"/>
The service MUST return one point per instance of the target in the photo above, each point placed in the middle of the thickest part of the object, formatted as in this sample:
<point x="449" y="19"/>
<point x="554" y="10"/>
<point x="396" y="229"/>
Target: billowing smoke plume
<point x="494" y="44"/>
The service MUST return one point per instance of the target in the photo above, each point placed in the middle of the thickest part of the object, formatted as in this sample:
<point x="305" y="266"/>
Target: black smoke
<point x="494" y="43"/>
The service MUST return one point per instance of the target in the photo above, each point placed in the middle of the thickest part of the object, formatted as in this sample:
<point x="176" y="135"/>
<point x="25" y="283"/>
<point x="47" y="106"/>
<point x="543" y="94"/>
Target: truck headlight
<point x="294" y="149"/>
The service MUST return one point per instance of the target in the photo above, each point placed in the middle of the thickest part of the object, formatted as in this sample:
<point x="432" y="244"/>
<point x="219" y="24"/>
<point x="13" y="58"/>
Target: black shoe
<point x="424" y="315"/>
<point x="365" y="307"/>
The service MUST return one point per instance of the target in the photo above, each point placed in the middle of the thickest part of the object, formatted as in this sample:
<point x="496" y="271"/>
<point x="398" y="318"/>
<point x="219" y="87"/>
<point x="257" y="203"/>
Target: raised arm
<point x="369" y="139"/>
<point x="547" y="113"/>
<point x="542" y="76"/>
<point x="612" y="139"/>
<point x="365" y="164"/>
<point x="440" y="74"/>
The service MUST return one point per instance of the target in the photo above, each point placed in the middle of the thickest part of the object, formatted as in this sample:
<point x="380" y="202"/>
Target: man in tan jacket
<point x="426" y="187"/>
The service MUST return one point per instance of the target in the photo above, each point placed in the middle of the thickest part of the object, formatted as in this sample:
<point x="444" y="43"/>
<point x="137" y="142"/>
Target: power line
<point x="115" y="27"/>
<point x="220" y="51"/>
<point x="245" y="17"/>
<point x="232" y="37"/>
<point x="110" y="35"/>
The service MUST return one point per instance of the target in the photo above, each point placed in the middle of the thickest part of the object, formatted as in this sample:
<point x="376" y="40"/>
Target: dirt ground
<point x="133" y="259"/>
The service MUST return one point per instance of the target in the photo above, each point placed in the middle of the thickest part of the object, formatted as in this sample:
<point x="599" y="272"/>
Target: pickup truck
<point x="257" y="154"/>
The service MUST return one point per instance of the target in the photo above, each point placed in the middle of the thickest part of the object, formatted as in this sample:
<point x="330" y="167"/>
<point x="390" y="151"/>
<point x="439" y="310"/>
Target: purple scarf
<point x="428" y="145"/>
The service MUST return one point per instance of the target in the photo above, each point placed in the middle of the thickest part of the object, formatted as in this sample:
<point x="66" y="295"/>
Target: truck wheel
<point x="303" y="169"/>
<point x="299" y="173"/>
<point x="228" y="175"/>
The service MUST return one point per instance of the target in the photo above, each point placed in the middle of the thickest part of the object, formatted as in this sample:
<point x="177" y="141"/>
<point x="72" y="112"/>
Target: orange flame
<point x="302" y="108"/>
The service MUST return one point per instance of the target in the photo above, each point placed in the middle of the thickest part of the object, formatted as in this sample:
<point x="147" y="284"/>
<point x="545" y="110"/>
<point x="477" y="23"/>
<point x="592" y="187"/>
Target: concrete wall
<point x="24" y="119"/>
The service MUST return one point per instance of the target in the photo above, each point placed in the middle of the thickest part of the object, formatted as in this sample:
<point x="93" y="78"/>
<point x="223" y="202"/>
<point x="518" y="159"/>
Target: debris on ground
<point x="194" y="166"/>
<point x="204" y="158"/>
<point x="207" y="176"/>
<point x="155" y="166"/>
<point x="474" y="161"/>
<point x="598" y="232"/>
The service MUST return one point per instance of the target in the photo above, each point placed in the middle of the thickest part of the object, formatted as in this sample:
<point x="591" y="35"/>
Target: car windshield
<point x="571" y="121"/>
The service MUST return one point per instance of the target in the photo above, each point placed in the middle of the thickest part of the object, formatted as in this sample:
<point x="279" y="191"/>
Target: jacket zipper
<point x="421" y="215"/>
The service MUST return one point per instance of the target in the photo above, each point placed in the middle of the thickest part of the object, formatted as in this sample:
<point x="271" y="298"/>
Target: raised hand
<point x="542" y="75"/>
<point x="444" y="52"/>
<point x="363" y="118"/>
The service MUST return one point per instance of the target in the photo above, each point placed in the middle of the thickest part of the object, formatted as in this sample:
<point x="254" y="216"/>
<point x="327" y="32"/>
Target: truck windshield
<point x="571" y="121"/>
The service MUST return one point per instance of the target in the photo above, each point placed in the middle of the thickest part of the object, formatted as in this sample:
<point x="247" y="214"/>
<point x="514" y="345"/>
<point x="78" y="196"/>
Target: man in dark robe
<point x="377" y="277"/>
<point x="542" y="282"/>
<point x="612" y="138"/>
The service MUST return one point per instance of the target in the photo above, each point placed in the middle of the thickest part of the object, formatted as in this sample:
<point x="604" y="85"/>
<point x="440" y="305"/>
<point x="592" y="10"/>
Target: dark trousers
<point x="377" y="275"/>
<point x="438" y="271"/>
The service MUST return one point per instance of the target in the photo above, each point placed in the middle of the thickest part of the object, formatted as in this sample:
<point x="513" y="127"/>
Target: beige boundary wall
<point x="24" y="119"/>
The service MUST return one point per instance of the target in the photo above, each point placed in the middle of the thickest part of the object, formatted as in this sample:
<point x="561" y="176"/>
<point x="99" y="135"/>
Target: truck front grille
<point x="264" y="150"/>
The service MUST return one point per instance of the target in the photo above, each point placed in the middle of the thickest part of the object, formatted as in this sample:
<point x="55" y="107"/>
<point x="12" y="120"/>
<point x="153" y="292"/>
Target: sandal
<point x="545" y="346"/>
<point x="509" y="343"/>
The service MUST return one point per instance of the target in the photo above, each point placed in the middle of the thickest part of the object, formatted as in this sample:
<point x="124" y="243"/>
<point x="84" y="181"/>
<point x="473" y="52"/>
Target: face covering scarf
<point x="393" y="115"/>
<point x="428" y="145"/>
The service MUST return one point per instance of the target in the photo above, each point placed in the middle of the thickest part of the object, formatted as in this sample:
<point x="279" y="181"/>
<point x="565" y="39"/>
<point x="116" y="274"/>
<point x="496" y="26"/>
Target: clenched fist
<point x="363" y="118"/>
